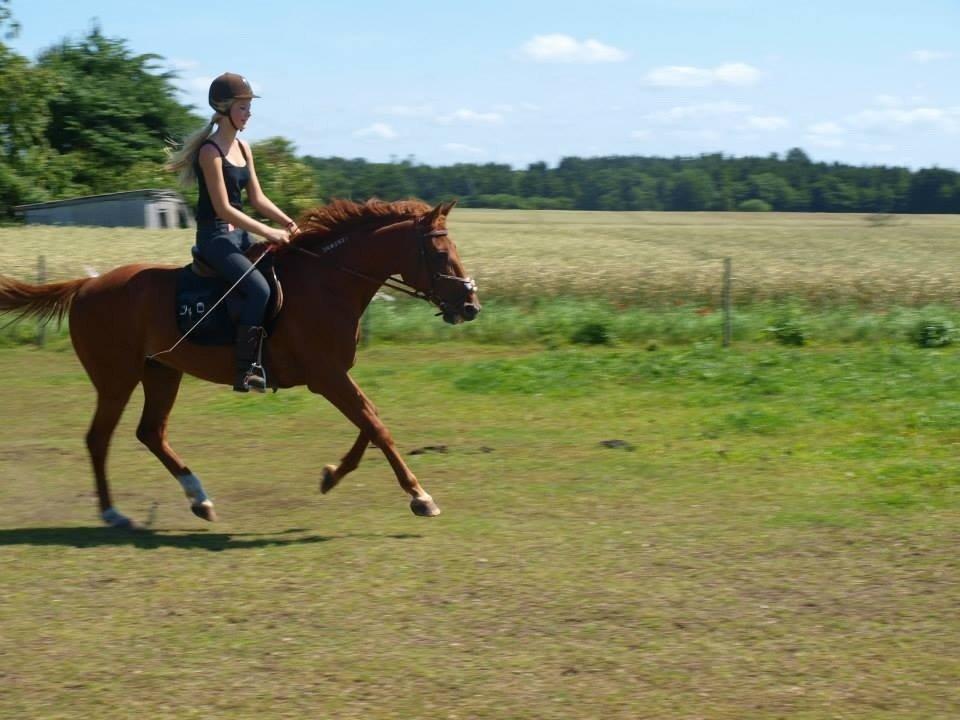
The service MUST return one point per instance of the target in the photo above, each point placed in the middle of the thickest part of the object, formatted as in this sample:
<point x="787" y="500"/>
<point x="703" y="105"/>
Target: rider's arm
<point x="260" y="202"/>
<point x="212" y="167"/>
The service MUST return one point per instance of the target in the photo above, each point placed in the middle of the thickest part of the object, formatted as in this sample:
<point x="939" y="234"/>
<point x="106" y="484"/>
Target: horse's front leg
<point x="342" y="391"/>
<point x="333" y="474"/>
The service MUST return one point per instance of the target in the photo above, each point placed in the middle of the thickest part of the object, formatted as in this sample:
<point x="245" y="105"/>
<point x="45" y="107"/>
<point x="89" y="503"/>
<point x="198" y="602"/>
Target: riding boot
<point x="249" y="345"/>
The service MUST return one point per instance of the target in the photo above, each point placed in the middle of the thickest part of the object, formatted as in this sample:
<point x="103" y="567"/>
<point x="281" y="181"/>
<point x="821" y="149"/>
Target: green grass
<point x="558" y="323"/>
<point x="774" y="536"/>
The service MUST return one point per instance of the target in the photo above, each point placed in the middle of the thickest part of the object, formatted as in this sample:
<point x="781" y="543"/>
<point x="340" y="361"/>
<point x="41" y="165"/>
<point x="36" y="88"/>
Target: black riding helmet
<point x="227" y="88"/>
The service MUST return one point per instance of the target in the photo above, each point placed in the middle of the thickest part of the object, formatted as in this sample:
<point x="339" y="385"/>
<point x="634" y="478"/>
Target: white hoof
<point x="118" y="520"/>
<point x="424" y="506"/>
<point x="204" y="511"/>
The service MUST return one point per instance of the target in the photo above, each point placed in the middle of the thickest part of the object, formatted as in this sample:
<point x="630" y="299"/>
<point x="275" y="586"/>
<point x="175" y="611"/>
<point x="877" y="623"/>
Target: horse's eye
<point x="442" y="257"/>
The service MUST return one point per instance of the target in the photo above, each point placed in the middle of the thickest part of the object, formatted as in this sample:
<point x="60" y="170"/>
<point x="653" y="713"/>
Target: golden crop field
<point x="633" y="258"/>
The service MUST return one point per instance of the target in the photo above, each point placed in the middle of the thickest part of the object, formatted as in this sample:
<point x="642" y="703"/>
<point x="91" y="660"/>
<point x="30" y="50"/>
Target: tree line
<point x="90" y="116"/>
<point x="792" y="183"/>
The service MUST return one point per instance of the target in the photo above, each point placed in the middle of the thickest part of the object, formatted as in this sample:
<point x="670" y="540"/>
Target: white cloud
<point x="899" y="118"/>
<point x="377" y="130"/>
<point x="563" y="48"/>
<point x="179" y="64"/>
<point x="888" y="100"/>
<point x="641" y="134"/>
<point x="825" y="141"/>
<point x="406" y="110"/>
<point x="687" y="76"/>
<point x="461" y="149"/>
<point x="926" y="56"/>
<point x="826" y="135"/>
<point x="198" y="83"/>
<point x="694" y="112"/>
<point x="766" y="122"/>
<point x="876" y="147"/>
<point x="471" y="116"/>
<point x="697" y="135"/>
<point x="826" y="128"/>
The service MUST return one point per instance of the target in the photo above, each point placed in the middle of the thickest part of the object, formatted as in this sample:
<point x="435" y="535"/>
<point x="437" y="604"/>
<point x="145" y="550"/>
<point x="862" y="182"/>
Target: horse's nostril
<point x="470" y="311"/>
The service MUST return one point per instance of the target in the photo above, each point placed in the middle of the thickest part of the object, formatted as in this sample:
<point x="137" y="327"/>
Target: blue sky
<point x="866" y="82"/>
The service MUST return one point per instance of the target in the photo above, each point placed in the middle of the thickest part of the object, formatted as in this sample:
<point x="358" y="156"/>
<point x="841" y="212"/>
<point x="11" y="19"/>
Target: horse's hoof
<point x="329" y="480"/>
<point x="424" y="507"/>
<point x="204" y="511"/>
<point x="119" y="521"/>
<point x="127" y="525"/>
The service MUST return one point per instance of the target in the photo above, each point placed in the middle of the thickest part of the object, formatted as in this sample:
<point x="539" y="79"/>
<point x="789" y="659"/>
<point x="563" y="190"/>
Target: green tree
<point x="24" y="152"/>
<point x="112" y="110"/>
<point x="773" y="190"/>
<point x="833" y="194"/>
<point x="692" y="190"/>
<point x="290" y="183"/>
<point x="935" y="191"/>
<point x="7" y="20"/>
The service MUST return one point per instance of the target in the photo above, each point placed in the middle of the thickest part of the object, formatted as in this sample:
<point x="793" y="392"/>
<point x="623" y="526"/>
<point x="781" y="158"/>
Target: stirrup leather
<point x="249" y="349"/>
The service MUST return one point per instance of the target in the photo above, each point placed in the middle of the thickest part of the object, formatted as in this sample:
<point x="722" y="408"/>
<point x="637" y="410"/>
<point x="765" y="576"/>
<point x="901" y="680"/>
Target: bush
<point x="932" y="333"/>
<point x="755" y="205"/>
<point x="788" y="331"/>
<point x="591" y="333"/>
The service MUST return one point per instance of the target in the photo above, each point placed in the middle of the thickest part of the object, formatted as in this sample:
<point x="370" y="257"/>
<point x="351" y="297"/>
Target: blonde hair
<point x="183" y="161"/>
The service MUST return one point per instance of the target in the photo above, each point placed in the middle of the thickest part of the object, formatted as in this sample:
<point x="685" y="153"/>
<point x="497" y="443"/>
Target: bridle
<point x="398" y="284"/>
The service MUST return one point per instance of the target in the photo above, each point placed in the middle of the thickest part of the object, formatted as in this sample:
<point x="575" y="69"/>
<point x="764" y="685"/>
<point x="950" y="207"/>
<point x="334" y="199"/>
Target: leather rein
<point x="398" y="284"/>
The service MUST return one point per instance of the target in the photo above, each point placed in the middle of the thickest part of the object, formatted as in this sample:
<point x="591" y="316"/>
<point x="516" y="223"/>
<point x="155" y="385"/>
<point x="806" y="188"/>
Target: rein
<point x="399" y="284"/>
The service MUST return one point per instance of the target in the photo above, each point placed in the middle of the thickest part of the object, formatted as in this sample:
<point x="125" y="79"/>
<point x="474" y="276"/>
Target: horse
<point x="123" y="329"/>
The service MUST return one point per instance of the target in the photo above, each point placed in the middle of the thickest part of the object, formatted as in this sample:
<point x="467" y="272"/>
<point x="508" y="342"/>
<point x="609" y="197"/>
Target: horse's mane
<point x="339" y="217"/>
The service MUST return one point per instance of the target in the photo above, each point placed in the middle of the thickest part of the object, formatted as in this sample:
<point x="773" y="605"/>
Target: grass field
<point x="773" y="534"/>
<point x="658" y="528"/>
<point x="649" y="258"/>
<point x="645" y="277"/>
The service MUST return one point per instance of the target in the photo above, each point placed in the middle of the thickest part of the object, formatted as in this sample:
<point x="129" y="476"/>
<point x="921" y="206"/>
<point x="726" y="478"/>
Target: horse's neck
<point x="367" y="259"/>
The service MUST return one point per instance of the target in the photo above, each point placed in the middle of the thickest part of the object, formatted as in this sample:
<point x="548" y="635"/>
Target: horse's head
<point x="439" y="273"/>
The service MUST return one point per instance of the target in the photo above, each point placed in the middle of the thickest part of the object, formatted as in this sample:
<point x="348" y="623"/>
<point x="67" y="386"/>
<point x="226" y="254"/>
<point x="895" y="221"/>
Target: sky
<point x="867" y="82"/>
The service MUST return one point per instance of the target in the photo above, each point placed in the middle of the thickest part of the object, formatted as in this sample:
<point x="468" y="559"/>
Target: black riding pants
<point x="222" y="248"/>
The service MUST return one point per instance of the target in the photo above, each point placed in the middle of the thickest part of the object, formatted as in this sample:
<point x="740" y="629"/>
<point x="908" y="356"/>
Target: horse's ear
<point x="445" y="209"/>
<point x="432" y="216"/>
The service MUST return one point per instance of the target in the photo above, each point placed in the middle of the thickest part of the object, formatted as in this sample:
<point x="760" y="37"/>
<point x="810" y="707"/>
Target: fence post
<point x="727" y="302"/>
<point x="41" y="279"/>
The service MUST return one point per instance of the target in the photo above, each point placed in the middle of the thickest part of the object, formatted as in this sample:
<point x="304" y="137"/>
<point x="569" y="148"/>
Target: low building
<point x="156" y="209"/>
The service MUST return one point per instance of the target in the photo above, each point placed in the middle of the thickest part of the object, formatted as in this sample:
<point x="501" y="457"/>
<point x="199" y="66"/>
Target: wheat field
<point x="642" y="258"/>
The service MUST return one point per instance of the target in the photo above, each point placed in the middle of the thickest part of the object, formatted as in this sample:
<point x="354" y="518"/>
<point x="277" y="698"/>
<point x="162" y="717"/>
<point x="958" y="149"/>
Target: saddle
<point x="198" y="290"/>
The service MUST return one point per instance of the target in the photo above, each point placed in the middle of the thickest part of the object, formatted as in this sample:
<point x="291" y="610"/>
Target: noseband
<point x="432" y="296"/>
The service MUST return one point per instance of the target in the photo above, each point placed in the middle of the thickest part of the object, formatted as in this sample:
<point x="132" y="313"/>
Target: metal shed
<point x="156" y="209"/>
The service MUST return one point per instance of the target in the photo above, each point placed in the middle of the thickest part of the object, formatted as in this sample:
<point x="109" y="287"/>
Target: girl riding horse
<point x="223" y="167"/>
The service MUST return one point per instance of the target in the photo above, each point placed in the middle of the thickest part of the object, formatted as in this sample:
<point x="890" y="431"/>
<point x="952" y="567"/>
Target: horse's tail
<point x="44" y="302"/>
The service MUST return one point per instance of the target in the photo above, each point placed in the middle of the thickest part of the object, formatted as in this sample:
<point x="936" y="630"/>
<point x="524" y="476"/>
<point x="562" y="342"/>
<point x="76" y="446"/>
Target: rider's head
<point x="230" y="94"/>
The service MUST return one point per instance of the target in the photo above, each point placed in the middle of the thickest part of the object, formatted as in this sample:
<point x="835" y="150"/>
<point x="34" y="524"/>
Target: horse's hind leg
<point x="160" y="387"/>
<point x="332" y="475"/>
<point x="111" y="400"/>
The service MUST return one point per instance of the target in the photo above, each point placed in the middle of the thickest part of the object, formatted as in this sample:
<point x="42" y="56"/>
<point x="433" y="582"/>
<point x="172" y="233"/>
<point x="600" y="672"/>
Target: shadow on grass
<point x="84" y="537"/>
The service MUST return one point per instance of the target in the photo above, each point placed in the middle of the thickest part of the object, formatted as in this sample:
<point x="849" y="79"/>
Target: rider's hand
<point x="277" y="237"/>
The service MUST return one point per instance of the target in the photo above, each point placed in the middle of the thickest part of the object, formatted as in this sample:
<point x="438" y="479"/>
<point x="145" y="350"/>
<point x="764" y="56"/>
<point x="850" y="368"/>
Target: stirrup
<point x="254" y="378"/>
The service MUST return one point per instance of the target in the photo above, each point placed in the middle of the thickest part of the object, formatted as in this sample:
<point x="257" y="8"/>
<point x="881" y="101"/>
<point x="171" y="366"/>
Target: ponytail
<point x="183" y="161"/>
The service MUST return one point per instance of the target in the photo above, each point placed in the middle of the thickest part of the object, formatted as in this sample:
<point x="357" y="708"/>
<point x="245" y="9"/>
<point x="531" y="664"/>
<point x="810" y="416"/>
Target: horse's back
<point x="124" y="306"/>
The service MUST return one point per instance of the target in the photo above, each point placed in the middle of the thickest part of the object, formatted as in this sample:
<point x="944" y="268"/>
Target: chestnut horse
<point x="330" y="271"/>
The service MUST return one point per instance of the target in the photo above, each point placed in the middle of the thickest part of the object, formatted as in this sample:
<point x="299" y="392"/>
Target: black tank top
<point x="235" y="178"/>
